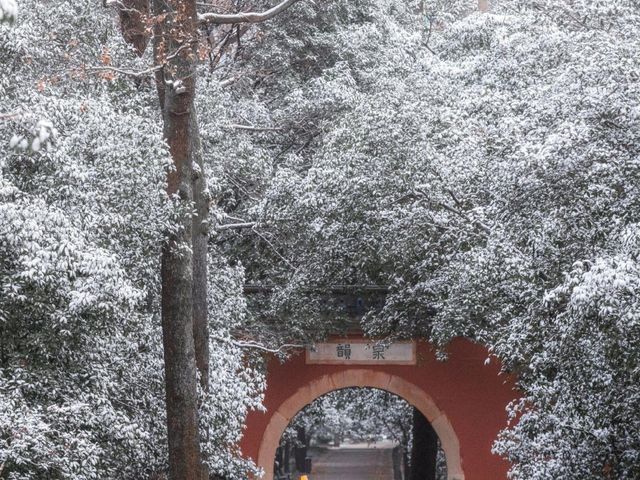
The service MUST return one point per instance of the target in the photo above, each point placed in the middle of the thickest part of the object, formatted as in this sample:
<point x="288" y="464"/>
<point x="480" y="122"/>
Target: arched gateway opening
<point x="360" y="432"/>
<point x="464" y="398"/>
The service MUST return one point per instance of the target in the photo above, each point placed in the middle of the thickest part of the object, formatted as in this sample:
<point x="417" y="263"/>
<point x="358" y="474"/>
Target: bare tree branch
<point x="333" y="289"/>
<point x="122" y="71"/>
<point x="137" y="73"/>
<point x="259" y="346"/>
<point x="463" y="215"/>
<point x="10" y="116"/>
<point x="236" y="219"/>
<point x="229" y="81"/>
<point x="252" y="128"/>
<point x="245" y="17"/>
<point x="275" y="250"/>
<point x="236" y="226"/>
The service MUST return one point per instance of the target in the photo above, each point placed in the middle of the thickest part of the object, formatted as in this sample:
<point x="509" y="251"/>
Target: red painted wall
<point x="471" y="394"/>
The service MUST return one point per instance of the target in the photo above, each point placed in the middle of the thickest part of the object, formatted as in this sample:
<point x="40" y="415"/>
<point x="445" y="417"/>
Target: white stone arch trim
<point x="360" y="378"/>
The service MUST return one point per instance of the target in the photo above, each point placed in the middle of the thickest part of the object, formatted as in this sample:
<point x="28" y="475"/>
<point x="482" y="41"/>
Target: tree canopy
<point x="481" y="166"/>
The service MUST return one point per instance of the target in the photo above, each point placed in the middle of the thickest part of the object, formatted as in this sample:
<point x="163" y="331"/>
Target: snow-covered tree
<point x="484" y="166"/>
<point x="365" y="415"/>
<point x="83" y="215"/>
<point x="8" y="11"/>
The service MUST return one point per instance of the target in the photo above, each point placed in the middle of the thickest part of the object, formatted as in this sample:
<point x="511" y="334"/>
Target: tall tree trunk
<point x="200" y="242"/>
<point x="425" y="449"/>
<point x="174" y="49"/>
<point x="200" y="270"/>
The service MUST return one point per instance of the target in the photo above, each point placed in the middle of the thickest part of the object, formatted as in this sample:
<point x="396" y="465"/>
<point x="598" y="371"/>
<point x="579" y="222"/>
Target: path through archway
<point x="367" y="379"/>
<point x="464" y="399"/>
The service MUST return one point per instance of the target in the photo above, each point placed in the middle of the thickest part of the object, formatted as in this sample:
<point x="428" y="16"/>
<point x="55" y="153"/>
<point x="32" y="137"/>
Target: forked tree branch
<point x="245" y="17"/>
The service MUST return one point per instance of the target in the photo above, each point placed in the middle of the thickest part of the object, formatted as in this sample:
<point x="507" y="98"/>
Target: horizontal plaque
<point x="362" y="352"/>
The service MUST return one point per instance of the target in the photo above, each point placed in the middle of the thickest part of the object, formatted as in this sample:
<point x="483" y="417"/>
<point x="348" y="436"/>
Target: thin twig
<point x="428" y="35"/>
<point x="477" y="223"/>
<point x="218" y="51"/>
<point x="245" y="17"/>
<point x="275" y="250"/>
<point x="252" y="128"/>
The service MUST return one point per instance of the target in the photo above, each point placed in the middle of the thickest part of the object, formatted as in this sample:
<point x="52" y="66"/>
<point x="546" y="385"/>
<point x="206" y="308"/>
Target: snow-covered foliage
<point x="360" y="414"/>
<point x="486" y="168"/>
<point x="483" y="166"/>
<point x="580" y="408"/>
<point x="83" y="215"/>
<point x="237" y="379"/>
<point x="8" y="11"/>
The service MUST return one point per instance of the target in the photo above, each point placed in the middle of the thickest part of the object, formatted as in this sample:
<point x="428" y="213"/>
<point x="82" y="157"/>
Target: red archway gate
<point x="463" y="397"/>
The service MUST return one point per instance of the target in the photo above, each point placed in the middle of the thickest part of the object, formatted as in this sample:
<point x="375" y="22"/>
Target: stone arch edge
<point x="360" y="378"/>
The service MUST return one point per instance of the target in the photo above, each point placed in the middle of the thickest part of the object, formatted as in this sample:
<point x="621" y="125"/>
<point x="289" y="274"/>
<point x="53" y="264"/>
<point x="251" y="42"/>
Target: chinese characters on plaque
<point x="360" y="351"/>
<point x="344" y="351"/>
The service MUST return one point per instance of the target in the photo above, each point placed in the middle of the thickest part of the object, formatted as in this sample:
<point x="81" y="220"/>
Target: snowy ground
<point x="358" y="461"/>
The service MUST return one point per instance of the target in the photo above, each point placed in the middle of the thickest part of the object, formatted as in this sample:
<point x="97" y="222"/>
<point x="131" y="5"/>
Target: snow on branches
<point x="83" y="216"/>
<point x="490" y="180"/>
<point x="8" y="11"/>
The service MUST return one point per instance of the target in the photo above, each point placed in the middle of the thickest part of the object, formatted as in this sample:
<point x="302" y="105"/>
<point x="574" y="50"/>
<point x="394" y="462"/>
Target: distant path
<point x="353" y="462"/>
